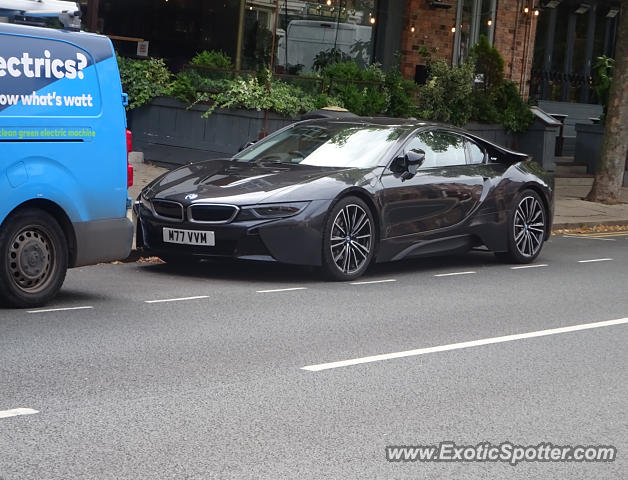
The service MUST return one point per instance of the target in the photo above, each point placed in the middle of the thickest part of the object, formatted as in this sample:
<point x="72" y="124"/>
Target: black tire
<point x="347" y="255"/>
<point x="526" y="229"/>
<point x="33" y="258"/>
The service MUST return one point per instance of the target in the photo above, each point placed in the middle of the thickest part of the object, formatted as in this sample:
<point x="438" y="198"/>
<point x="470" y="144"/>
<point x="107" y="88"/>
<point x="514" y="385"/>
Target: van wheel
<point x="33" y="258"/>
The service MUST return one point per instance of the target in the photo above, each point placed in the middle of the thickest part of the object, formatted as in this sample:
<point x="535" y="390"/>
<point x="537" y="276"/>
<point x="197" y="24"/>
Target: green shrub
<point x="360" y="89"/>
<point x="496" y="100"/>
<point x="446" y="97"/>
<point x="143" y="80"/>
<point x="189" y="82"/>
<point x="489" y="64"/>
<point x="212" y="59"/>
<point x="323" y="100"/>
<point x="253" y="94"/>
<point x="325" y="58"/>
<point x="516" y="115"/>
<point x="401" y="93"/>
<point x="602" y="79"/>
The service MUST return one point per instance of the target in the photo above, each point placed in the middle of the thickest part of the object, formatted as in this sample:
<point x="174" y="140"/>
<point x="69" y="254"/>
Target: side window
<point x="475" y="155"/>
<point x="442" y="149"/>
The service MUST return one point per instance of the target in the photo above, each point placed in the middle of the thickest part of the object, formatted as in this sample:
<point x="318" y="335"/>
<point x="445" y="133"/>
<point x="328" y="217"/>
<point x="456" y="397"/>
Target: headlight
<point x="272" y="210"/>
<point x="142" y="200"/>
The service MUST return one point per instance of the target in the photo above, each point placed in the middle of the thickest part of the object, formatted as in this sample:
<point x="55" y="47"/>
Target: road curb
<point x="570" y="225"/>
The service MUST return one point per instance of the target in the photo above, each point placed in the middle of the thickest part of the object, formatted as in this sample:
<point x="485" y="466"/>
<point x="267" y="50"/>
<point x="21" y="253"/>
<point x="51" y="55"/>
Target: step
<point x="573" y="181"/>
<point x="570" y="168"/>
<point x="565" y="159"/>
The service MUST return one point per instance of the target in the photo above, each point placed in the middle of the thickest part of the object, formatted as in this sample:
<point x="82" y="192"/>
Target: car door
<point x="444" y="191"/>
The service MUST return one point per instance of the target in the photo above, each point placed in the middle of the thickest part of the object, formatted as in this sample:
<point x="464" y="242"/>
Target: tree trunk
<point x="610" y="172"/>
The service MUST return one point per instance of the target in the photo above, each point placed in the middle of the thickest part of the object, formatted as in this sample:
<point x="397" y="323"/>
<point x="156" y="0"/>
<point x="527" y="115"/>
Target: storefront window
<point x="308" y="33"/>
<point x="473" y="18"/>
<point x="175" y="29"/>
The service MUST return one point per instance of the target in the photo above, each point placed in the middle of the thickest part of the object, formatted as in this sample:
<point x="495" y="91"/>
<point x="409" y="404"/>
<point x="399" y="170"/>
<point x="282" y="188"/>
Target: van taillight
<point x="129" y="167"/>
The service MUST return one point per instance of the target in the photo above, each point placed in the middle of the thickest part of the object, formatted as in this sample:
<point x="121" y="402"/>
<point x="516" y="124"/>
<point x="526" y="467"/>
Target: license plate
<point x="189" y="237"/>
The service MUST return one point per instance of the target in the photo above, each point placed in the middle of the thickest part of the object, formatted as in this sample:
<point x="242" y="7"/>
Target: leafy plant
<point x="401" y="92"/>
<point x="143" y="80"/>
<point x="602" y="79"/>
<point x="489" y="64"/>
<point x="253" y="94"/>
<point x="446" y="97"/>
<point x="360" y="89"/>
<point x="323" y="100"/>
<point x="516" y="115"/>
<point x="212" y="59"/>
<point x="189" y="82"/>
<point x="495" y="99"/>
<point x="325" y="58"/>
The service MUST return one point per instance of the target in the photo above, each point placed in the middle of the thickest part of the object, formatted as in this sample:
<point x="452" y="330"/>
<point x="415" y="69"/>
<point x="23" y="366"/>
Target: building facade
<point x="549" y="46"/>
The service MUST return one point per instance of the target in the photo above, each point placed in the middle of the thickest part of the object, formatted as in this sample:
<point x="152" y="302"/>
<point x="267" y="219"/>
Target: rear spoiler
<point x="497" y="151"/>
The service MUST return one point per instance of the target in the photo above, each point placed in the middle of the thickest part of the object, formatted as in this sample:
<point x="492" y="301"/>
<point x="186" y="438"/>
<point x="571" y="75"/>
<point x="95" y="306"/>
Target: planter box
<point x="539" y="141"/>
<point x="168" y="131"/>
<point x="493" y="133"/>
<point x="589" y="145"/>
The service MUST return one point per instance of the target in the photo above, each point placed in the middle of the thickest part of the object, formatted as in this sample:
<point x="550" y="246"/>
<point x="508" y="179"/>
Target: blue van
<point x="64" y="173"/>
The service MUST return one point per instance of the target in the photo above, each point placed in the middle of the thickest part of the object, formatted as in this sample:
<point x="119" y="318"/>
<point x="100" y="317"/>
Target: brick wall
<point x="432" y="30"/>
<point x="514" y="30"/>
<point x="514" y="38"/>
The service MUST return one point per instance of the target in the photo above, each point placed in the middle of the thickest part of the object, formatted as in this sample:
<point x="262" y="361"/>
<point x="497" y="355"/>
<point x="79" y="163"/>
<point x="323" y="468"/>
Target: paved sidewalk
<point x="570" y="210"/>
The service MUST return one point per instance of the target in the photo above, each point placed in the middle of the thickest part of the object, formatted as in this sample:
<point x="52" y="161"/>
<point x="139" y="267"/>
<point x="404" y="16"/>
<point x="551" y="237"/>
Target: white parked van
<point x="307" y="38"/>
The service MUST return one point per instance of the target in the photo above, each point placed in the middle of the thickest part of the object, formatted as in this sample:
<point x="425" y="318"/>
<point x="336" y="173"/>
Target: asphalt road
<point x="211" y="384"/>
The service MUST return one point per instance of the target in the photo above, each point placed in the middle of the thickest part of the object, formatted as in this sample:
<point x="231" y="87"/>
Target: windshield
<point x="326" y="145"/>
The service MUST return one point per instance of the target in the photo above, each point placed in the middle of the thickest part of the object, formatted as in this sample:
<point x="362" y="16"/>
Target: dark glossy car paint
<point x="439" y="209"/>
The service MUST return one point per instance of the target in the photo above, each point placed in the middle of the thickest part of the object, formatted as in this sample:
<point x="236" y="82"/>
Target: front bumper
<point x="293" y="240"/>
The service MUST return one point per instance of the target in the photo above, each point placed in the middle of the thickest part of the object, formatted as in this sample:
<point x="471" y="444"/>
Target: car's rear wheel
<point x="34" y="258"/>
<point x="526" y="229"/>
<point x="348" y="239"/>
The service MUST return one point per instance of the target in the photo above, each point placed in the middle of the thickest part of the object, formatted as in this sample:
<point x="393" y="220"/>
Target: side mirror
<point x="415" y="158"/>
<point x="407" y="165"/>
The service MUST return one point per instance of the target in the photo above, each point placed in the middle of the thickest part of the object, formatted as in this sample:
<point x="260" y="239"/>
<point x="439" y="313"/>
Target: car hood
<point x="240" y="183"/>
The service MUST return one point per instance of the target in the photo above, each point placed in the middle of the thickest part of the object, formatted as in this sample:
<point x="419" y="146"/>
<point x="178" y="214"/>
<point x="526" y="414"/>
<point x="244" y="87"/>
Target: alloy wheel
<point x="529" y="226"/>
<point x="351" y="238"/>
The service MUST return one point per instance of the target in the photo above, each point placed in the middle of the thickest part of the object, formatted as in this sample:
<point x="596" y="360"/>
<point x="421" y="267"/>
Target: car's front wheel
<point x="526" y="228"/>
<point x="348" y="239"/>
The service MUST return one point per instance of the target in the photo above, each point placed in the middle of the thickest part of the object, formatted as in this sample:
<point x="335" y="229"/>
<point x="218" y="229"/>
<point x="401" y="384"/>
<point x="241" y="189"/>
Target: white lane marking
<point x="461" y="345"/>
<point x="537" y="265"/>
<point x="17" y="412"/>
<point x="590" y="238"/>
<point x="182" y="299"/>
<point x="454" y="273"/>
<point x="596" y="260"/>
<point x="281" y="290"/>
<point x="369" y="282"/>
<point x="64" y="309"/>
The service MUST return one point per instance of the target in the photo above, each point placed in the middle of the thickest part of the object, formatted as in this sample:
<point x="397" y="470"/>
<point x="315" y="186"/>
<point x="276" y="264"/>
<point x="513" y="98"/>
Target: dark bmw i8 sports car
<point x="341" y="193"/>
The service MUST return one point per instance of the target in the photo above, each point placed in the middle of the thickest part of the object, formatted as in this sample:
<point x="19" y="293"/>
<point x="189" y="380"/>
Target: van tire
<point x="33" y="258"/>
